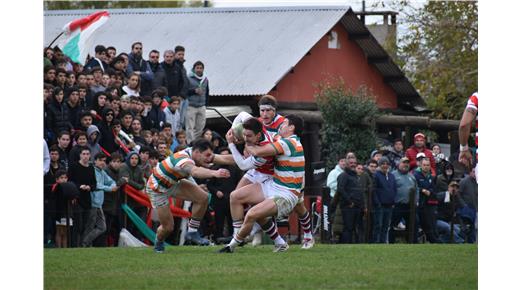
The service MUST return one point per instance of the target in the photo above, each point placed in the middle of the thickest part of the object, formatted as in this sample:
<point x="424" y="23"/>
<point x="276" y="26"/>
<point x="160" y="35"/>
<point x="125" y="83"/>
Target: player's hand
<point x="221" y="173"/>
<point x="466" y="158"/>
<point x="230" y="137"/>
<point x="220" y="194"/>
<point x="203" y="187"/>
<point x="250" y="149"/>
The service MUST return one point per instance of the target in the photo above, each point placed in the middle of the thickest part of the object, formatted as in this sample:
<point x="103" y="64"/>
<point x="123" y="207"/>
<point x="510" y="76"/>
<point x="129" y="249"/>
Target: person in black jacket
<point x="155" y="118"/>
<point x="221" y="189"/>
<point x="58" y="114"/>
<point x="427" y="200"/>
<point x="159" y="76"/>
<point x="173" y="72"/>
<point x="449" y="202"/>
<point x="136" y="64"/>
<point x="83" y="176"/>
<point x="385" y="190"/>
<point x="105" y="127"/>
<point x="352" y="199"/>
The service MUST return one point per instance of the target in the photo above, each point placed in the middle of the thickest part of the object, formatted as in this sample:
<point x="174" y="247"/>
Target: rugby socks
<point x="236" y="226"/>
<point x="305" y="222"/>
<point x="271" y="229"/>
<point x="193" y="225"/>
<point x="235" y="242"/>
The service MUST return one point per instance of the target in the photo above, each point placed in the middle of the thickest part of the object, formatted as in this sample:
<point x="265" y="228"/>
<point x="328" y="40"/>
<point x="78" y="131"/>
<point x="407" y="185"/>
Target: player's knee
<point x="202" y="199"/>
<point x="233" y="197"/>
<point x="253" y="214"/>
<point x="168" y="228"/>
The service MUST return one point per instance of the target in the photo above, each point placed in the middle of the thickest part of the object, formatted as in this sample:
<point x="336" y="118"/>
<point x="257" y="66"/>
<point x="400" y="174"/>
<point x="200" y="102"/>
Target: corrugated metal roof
<point x="246" y="51"/>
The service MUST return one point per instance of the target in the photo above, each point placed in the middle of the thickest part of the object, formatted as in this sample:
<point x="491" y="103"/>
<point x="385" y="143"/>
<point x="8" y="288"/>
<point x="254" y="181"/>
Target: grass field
<point x="399" y="266"/>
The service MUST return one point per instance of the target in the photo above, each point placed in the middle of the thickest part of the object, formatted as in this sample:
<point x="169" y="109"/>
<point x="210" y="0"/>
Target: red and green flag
<point x="79" y="35"/>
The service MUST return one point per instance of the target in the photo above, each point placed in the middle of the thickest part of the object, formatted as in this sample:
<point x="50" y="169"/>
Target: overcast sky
<point x="355" y="4"/>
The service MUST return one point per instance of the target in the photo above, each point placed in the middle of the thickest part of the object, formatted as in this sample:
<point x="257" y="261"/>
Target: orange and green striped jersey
<point x="289" y="164"/>
<point x="169" y="171"/>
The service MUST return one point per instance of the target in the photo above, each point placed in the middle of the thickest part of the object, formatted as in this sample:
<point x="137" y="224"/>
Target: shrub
<point x="348" y="121"/>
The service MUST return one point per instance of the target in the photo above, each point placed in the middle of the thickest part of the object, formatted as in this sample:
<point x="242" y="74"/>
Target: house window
<point x="333" y="40"/>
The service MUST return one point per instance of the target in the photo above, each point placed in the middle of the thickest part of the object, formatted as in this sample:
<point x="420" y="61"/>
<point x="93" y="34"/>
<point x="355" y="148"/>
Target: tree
<point x="438" y="51"/>
<point x="347" y="122"/>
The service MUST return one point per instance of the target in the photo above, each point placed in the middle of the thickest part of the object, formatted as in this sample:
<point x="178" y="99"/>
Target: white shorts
<point x="255" y="176"/>
<point x="160" y="199"/>
<point x="284" y="199"/>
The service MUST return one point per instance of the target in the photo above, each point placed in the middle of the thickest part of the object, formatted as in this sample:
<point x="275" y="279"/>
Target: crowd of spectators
<point x="106" y="125"/>
<point x="415" y="193"/>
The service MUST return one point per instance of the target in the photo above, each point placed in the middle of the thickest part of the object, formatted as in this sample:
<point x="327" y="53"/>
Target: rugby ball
<point x="237" y="126"/>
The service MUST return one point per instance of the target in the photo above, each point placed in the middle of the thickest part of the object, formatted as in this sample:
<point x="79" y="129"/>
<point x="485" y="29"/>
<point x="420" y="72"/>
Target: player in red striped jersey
<point x="470" y="114"/>
<point x="259" y="170"/>
<point x="272" y="121"/>
<point x="281" y="193"/>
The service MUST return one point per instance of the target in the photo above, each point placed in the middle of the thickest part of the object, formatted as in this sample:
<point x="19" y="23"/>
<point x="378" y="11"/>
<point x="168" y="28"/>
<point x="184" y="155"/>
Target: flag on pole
<point x="79" y="35"/>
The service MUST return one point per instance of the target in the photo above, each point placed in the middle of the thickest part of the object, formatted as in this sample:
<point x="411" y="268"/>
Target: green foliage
<point x="399" y="266"/>
<point x="68" y="5"/>
<point x="347" y="119"/>
<point x="438" y="51"/>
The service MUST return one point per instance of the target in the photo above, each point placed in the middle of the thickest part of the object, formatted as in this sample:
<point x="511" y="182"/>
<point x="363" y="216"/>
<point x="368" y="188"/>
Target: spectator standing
<point x="111" y="54"/>
<point x="367" y="186"/>
<point x="351" y="199"/>
<point x="396" y="153"/>
<point x="427" y="200"/>
<point x="96" y="85"/>
<point x="96" y="225"/>
<point x="385" y="190"/>
<point x="58" y="114"/>
<point x="173" y="73"/>
<point x="179" y="62"/>
<point x="221" y="189"/>
<point x="49" y="198"/>
<point x="82" y="174"/>
<point x="85" y="120"/>
<point x="445" y="178"/>
<point x="469" y="193"/>
<point x="81" y="139"/>
<point x="137" y="65"/>
<point x="198" y="98"/>
<point x="73" y="106"/>
<point x="172" y="114"/>
<point x="332" y="178"/>
<point x="156" y="117"/>
<point x="93" y="141"/>
<point x="98" y="60"/>
<point x="420" y="147"/>
<point x="64" y="149"/>
<point x="405" y="185"/>
<point x="130" y="173"/>
<point x="133" y="87"/>
<point x="112" y="204"/>
<point x="105" y="128"/>
<point x="159" y="76"/>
